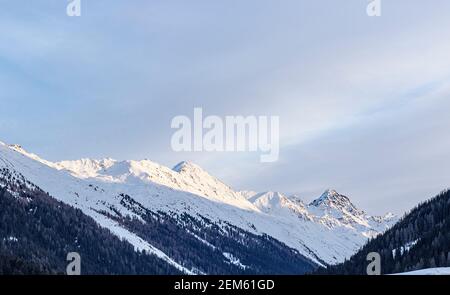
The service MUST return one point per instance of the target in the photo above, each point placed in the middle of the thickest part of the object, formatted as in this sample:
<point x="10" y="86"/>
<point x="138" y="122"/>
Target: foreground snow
<point x="328" y="230"/>
<point x="428" y="272"/>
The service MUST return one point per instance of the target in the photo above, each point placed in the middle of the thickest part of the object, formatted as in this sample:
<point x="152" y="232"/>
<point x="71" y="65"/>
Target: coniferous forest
<point x="37" y="232"/>
<point x="200" y="244"/>
<point x="421" y="239"/>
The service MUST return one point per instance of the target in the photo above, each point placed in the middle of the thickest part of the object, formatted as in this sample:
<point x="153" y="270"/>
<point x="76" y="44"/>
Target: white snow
<point x="138" y="243"/>
<point x="11" y="239"/>
<point x="329" y="229"/>
<point x="405" y="248"/>
<point x="428" y="272"/>
<point x="233" y="260"/>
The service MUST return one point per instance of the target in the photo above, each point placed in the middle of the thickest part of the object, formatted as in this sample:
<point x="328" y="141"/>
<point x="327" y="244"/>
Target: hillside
<point x="420" y="240"/>
<point x="195" y="222"/>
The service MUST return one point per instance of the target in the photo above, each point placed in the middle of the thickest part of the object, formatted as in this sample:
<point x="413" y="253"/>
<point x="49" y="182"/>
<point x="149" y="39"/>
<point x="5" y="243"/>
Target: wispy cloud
<point x="361" y="100"/>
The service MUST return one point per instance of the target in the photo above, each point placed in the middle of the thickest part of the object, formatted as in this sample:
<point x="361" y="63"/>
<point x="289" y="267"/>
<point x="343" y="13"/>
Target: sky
<point x="363" y="101"/>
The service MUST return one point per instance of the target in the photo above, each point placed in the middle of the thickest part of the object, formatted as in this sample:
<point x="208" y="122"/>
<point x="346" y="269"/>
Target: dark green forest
<point x="37" y="232"/>
<point x="200" y="244"/>
<point x="421" y="239"/>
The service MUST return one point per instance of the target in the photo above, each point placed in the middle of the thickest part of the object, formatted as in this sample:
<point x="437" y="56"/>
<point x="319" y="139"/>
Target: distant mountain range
<point x="183" y="218"/>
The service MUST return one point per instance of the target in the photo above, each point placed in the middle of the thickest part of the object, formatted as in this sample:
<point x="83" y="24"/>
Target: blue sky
<point x="363" y="102"/>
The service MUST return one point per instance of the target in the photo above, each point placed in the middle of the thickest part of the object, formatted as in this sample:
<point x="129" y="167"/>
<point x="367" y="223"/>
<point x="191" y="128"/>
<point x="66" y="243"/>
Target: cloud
<point x="346" y="87"/>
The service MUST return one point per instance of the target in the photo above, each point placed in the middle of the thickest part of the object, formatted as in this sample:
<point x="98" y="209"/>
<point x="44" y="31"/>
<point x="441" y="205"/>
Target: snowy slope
<point x="328" y="230"/>
<point x="428" y="272"/>
<point x="71" y="191"/>
<point x="335" y="210"/>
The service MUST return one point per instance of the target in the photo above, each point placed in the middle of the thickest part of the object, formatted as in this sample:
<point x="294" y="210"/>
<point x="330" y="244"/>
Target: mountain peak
<point x="331" y="198"/>
<point x="180" y="166"/>
<point x="86" y="167"/>
<point x="186" y="166"/>
<point x="16" y="148"/>
<point x="328" y="195"/>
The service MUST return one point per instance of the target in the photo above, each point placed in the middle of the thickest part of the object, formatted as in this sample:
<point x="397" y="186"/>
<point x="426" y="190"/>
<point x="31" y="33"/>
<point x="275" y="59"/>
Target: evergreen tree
<point x="421" y="239"/>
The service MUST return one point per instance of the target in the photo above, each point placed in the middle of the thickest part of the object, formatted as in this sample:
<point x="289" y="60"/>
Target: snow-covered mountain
<point x="115" y="193"/>
<point x="331" y="210"/>
<point x="417" y="243"/>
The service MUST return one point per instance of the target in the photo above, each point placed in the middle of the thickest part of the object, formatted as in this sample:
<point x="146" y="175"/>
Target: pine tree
<point x="427" y="225"/>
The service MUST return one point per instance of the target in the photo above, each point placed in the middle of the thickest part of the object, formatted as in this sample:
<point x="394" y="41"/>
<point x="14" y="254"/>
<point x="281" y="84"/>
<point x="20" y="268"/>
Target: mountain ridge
<point x="419" y="240"/>
<point x="321" y="236"/>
